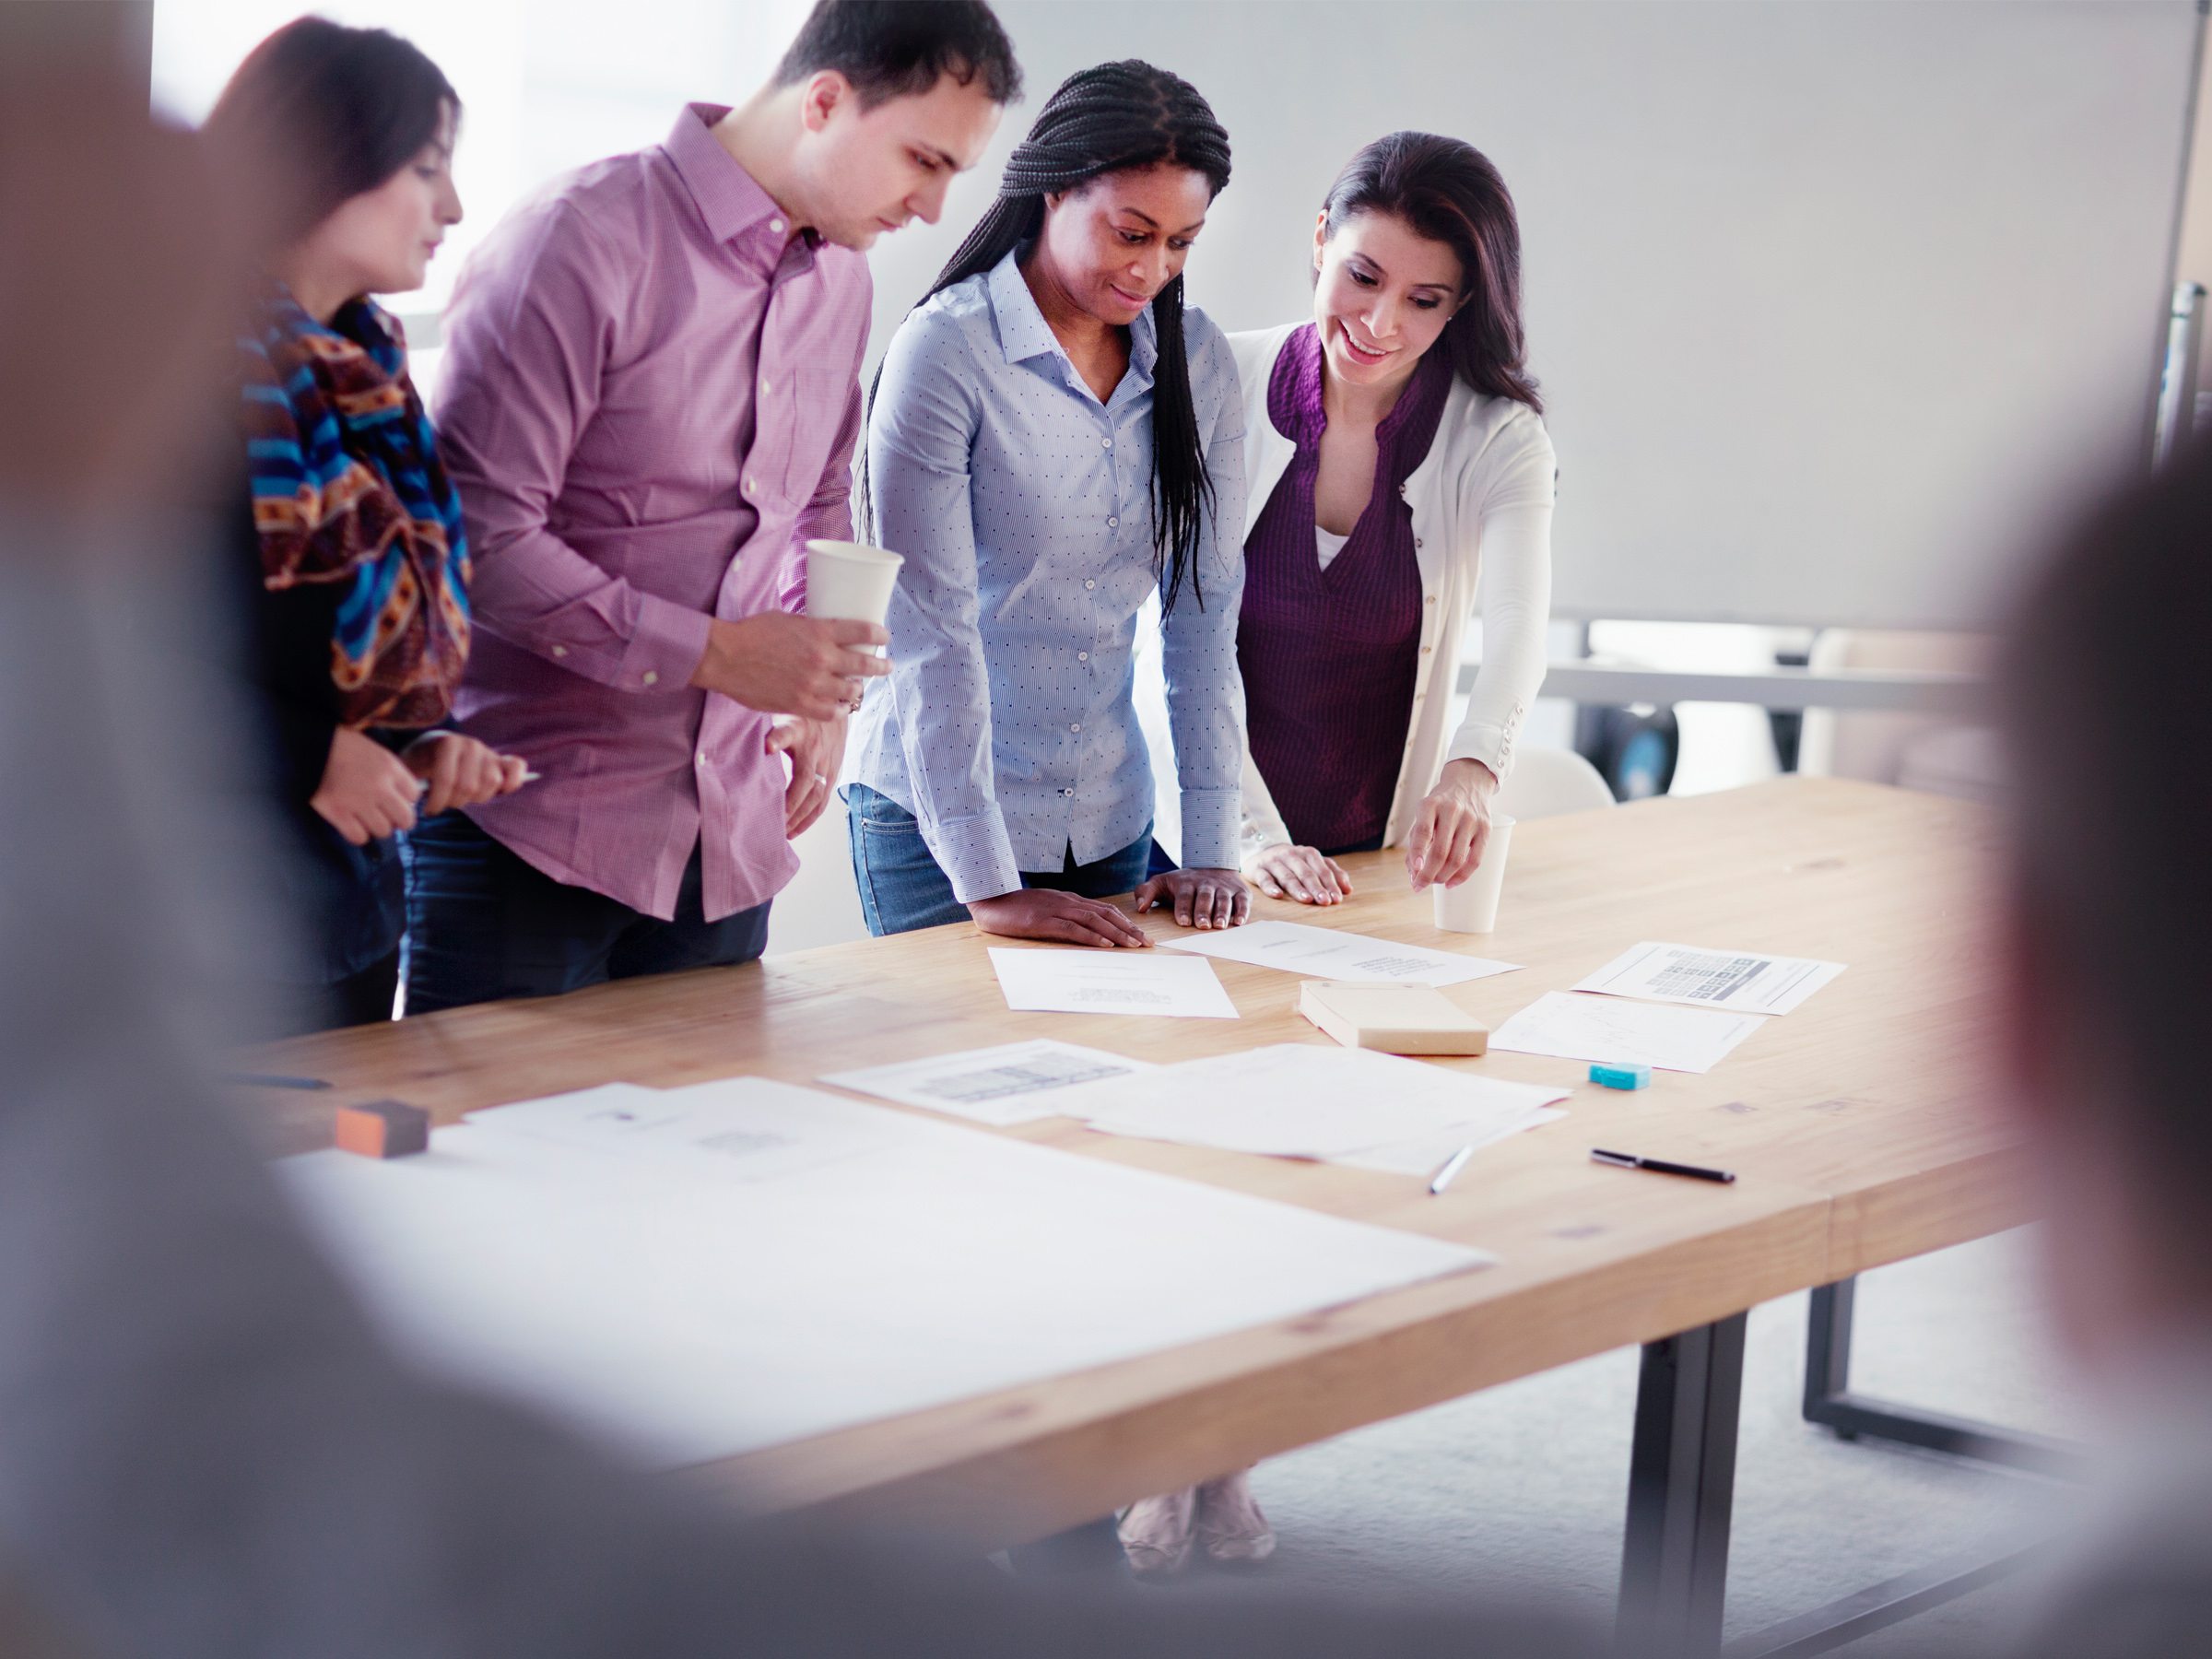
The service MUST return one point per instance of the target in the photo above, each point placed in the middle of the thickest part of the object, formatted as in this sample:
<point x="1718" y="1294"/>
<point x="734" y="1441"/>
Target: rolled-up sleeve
<point x="526" y="341"/>
<point x="919" y="445"/>
<point x="1198" y="647"/>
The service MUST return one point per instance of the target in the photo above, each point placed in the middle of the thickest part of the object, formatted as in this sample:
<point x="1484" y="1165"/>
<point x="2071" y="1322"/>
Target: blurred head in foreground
<point x="2106" y="698"/>
<point x="2106" y="686"/>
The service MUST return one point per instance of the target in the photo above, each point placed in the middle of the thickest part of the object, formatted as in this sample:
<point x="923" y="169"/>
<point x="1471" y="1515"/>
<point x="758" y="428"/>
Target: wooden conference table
<point x="1853" y="1125"/>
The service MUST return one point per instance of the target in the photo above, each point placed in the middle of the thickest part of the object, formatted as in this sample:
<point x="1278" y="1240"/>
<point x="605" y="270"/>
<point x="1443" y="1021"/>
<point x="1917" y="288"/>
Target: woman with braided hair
<point x="1053" y="437"/>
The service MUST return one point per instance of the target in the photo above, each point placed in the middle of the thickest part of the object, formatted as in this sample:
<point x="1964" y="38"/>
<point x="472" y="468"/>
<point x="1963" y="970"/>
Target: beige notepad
<point x="1401" y="1018"/>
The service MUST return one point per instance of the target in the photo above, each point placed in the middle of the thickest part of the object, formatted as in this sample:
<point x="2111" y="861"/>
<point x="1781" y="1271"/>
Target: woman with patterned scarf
<point x="360" y="621"/>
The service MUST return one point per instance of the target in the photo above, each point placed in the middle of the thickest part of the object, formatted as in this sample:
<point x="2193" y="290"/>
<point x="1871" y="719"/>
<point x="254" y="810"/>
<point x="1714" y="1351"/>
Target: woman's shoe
<point x="1157" y="1533"/>
<point x="1229" y="1525"/>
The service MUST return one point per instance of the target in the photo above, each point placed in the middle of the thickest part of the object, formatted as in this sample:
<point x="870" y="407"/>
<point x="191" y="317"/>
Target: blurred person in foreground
<point x="203" y="1448"/>
<point x="353" y="552"/>
<point x="2105" y="684"/>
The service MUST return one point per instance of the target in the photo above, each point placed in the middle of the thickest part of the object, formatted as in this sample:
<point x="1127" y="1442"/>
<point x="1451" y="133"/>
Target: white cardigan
<point x="1486" y="482"/>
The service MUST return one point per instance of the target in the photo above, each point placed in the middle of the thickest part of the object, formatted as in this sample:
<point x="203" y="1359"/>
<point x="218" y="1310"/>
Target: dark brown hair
<point x="1448" y="191"/>
<point x="318" y="114"/>
<point x="2105" y="701"/>
<point x="898" y="48"/>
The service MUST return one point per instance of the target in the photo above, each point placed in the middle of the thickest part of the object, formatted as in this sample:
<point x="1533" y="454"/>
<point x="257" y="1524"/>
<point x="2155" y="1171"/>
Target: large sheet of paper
<point x="1326" y="953"/>
<point x="1748" y="980"/>
<point x="1301" y="1101"/>
<point x="1605" y="1028"/>
<point x="1110" y="981"/>
<point x="699" y="1272"/>
<point x="1014" y="1083"/>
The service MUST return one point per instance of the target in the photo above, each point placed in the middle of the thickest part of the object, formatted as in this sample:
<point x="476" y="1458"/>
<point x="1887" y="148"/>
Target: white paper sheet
<point x="1014" y="1083"/>
<point x="1326" y="953"/>
<point x="1749" y="981"/>
<point x="1110" y="981"/>
<point x="1605" y="1028"/>
<point x="1301" y="1101"/>
<point x="671" y="1302"/>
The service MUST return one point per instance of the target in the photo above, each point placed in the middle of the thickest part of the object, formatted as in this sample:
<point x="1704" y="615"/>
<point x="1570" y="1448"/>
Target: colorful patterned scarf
<point x="348" y="490"/>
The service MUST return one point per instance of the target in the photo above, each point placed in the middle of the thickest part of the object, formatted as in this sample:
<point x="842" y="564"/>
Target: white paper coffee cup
<point x="850" y="580"/>
<point x="1471" y="906"/>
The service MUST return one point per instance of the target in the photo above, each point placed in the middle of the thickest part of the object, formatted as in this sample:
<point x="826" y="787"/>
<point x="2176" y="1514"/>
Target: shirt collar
<point x="729" y="200"/>
<point x="1023" y="333"/>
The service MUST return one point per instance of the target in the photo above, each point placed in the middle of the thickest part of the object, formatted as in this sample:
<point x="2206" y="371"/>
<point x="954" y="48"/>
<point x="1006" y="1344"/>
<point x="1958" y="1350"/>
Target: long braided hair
<point x="1103" y="120"/>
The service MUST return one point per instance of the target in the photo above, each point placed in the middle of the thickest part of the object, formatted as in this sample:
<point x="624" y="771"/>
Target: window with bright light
<point x="546" y="85"/>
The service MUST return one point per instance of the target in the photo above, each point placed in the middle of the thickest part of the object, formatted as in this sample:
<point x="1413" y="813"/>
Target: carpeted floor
<point x="1521" y="1487"/>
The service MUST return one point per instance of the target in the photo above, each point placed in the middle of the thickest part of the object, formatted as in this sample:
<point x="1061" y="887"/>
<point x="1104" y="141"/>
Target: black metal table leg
<point x="1674" y="1574"/>
<point x="1829" y="1401"/>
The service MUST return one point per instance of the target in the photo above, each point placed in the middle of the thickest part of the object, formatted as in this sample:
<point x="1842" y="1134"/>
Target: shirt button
<point x="1427" y="649"/>
<point x="649" y="678"/>
<point x="1077" y="726"/>
<point x="1417" y="541"/>
<point x="1431" y="599"/>
<point x="1091" y="584"/>
<point x="1082" y="656"/>
<point x="1113" y="523"/>
<point x="767" y="386"/>
<point x="560" y="651"/>
<point x="752" y="487"/>
<point x="1108" y="442"/>
<point x="777" y="226"/>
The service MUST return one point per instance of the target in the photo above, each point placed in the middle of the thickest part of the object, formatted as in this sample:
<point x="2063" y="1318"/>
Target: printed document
<point x="1604" y="1028"/>
<point x="646" y="1283"/>
<point x="1014" y="1083"/>
<point x="1296" y="1099"/>
<point x="1325" y="953"/>
<point x="1749" y="981"/>
<point x="1111" y="982"/>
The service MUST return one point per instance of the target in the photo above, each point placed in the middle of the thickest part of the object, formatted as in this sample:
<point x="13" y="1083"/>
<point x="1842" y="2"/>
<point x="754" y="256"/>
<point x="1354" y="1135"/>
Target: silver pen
<point x="1451" y="1166"/>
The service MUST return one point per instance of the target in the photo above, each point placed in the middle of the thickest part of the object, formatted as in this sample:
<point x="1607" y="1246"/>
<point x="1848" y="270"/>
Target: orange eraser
<point x="383" y="1128"/>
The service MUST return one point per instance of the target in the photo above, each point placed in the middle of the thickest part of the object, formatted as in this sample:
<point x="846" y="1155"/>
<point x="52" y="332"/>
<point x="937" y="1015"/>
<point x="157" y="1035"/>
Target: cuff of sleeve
<point x="976" y="854"/>
<point x="1212" y="827"/>
<point x="664" y="650"/>
<point x="1490" y="744"/>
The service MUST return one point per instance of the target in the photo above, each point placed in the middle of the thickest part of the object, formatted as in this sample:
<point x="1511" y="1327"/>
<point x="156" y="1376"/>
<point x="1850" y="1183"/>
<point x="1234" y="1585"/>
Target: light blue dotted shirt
<point x="1023" y="511"/>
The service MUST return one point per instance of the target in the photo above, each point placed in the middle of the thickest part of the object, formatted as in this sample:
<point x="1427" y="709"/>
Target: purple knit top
<point x="1329" y="656"/>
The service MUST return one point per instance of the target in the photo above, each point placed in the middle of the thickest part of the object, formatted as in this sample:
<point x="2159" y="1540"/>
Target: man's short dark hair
<point x="898" y="48"/>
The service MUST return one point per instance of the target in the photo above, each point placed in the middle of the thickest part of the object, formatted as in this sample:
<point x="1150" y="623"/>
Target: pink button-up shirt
<point x="649" y="401"/>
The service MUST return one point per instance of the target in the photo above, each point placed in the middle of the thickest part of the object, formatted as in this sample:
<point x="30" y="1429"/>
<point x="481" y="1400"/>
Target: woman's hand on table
<point x="460" y="771"/>
<point x="1453" y="826"/>
<point x="1300" y="873"/>
<point x="1203" y="899"/>
<point x="366" y="791"/>
<point x="1069" y="918"/>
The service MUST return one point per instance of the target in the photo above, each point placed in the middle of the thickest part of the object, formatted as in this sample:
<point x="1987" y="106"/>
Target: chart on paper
<point x="1571" y="1026"/>
<point x="1110" y="981"/>
<point x="1753" y="981"/>
<point x="1014" y="1083"/>
<point x="1327" y="953"/>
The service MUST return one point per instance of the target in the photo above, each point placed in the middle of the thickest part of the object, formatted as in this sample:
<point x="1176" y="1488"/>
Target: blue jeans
<point x="483" y="925"/>
<point x="902" y="887"/>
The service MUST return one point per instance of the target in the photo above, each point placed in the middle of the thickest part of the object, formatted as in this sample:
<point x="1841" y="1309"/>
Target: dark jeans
<point x="483" y="925"/>
<point x="902" y="887"/>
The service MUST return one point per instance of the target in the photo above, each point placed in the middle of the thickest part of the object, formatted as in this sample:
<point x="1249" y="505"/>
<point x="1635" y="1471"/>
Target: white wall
<point x="1831" y="300"/>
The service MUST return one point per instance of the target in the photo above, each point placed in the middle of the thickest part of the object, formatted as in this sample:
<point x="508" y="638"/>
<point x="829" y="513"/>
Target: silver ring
<point x="821" y="777"/>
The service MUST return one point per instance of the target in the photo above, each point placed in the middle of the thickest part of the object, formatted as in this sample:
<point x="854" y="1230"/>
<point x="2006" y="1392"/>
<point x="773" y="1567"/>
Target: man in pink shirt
<point x="650" y="401"/>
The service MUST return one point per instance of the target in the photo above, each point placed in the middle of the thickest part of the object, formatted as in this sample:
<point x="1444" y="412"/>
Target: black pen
<point x="1629" y="1160"/>
<point x="271" y="1081"/>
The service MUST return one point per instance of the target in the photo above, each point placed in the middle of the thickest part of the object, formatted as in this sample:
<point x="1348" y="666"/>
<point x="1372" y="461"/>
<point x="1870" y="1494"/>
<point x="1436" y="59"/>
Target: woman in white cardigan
<point x="1398" y="475"/>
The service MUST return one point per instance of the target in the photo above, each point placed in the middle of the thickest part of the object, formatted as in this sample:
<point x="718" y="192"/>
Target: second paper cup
<point x="1471" y="906"/>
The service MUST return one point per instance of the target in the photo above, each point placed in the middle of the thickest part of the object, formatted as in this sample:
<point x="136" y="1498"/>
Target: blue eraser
<point x="1637" y="1076"/>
